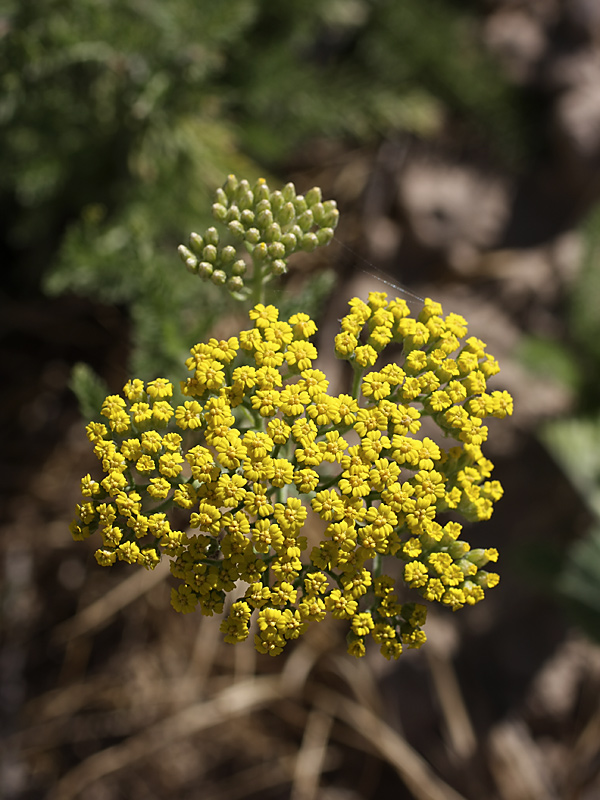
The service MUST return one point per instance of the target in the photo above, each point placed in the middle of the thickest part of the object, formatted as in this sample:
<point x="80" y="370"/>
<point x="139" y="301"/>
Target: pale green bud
<point x="239" y="267"/>
<point x="221" y="197"/>
<point x="205" y="270"/>
<point x="210" y="254"/>
<point x="277" y="203"/>
<point x="324" y="236"/>
<point x="261" y="190"/>
<point x="278" y="267"/>
<point x="252" y="235"/>
<point x="228" y="254"/>
<point x="309" y="242"/>
<point x="300" y="204"/>
<point x="264" y="205"/>
<point x="273" y="233"/>
<point x="276" y="250"/>
<point x="211" y="236"/>
<point x="305" y="220"/>
<point x="185" y="254"/>
<point x="260" y="252"/>
<point x="313" y="196"/>
<point x="245" y="200"/>
<point x="478" y="557"/>
<point x="235" y="284"/>
<point x="230" y="186"/>
<point x="286" y="214"/>
<point x="247" y="217"/>
<point x="264" y="219"/>
<point x="331" y="214"/>
<point x="196" y="243"/>
<point x="297" y="231"/>
<point x="233" y="212"/>
<point x="458" y="549"/>
<point x="237" y="229"/>
<point x="219" y="211"/>
<point x="219" y="278"/>
<point x="318" y="212"/>
<point x="288" y="192"/>
<point x="289" y="241"/>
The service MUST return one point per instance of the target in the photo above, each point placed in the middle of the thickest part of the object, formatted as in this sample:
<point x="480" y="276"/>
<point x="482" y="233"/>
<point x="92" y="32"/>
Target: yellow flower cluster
<point x="256" y="443"/>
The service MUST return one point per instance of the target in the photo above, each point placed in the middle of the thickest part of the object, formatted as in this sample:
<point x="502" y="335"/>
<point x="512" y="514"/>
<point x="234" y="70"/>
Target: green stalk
<point x="258" y="285"/>
<point x="358" y="373"/>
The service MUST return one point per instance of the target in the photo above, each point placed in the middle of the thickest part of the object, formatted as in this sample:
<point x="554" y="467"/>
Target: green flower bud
<point x="252" y="235"/>
<point x="233" y="212"/>
<point x="286" y="214"/>
<point x="264" y="205"/>
<point x="288" y="192"/>
<point x="305" y="220"/>
<point x="192" y="265"/>
<point x="273" y="233"/>
<point x="261" y="190"/>
<point x="211" y="236"/>
<point x="210" y="254"/>
<point x="318" y="212"/>
<point x="276" y="250"/>
<point x="313" y="196"/>
<point x="300" y="204"/>
<point x="185" y="254"/>
<point x="235" y="284"/>
<point x="219" y="211"/>
<point x="264" y="219"/>
<point x="219" y="278"/>
<point x="228" y="254"/>
<point x="196" y="243"/>
<point x="277" y="203"/>
<point x="247" y="217"/>
<point x="221" y="197"/>
<point x="296" y="231"/>
<point x="278" y="267"/>
<point x="324" y="236"/>
<point x="239" y="267"/>
<point x="205" y="270"/>
<point x="237" y="229"/>
<point x="289" y="241"/>
<point x="260" y="252"/>
<point x="230" y="186"/>
<point x="458" y="549"/>
<point x="478" y="557"/>
<point x="243" y="187"/>
<point x="330" y="215"/>
<point x="309" y="242"/>
<point x="245" y="200"/>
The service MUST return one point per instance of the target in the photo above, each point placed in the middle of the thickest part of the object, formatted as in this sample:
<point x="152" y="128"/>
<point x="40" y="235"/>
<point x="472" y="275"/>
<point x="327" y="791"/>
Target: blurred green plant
<point x="119" y="119"/>
<point x="574" y="441"/>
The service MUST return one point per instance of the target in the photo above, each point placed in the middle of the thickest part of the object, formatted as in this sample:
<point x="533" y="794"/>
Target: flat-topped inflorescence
<point x="224" y="480"/>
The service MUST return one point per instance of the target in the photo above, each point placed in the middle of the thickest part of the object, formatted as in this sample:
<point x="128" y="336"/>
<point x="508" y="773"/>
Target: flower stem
<point x="358" y="373"/>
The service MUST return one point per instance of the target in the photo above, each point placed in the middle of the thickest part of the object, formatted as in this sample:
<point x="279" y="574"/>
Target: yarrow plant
<point x="225" y="479"/>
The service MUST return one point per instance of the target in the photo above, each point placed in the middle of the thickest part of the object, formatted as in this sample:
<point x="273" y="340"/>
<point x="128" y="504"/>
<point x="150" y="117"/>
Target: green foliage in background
<point x="118" y="120"/>
<point x="368" y="70"/>
<point x="575" y="441"/>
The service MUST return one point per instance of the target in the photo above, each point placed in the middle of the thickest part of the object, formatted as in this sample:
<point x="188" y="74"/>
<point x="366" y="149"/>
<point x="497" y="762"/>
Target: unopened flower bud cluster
<point x="224" y="480"/>
<point x="272" y="225"/>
